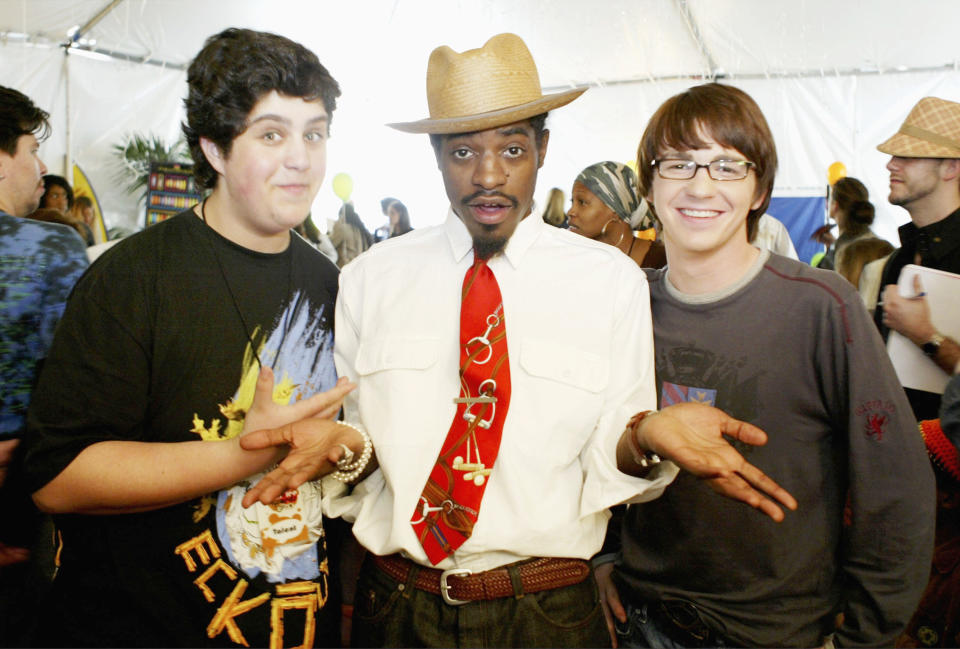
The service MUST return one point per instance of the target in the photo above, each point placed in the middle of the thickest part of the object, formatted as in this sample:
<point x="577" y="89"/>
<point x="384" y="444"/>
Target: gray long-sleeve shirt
<point x="792" y="350"/>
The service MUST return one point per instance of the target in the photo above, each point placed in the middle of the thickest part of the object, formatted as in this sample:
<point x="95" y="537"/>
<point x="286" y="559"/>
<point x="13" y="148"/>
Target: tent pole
<point x="694" y="30"/>
<point x="74" y="38"/>
<point x="100" y="15"/>
<point x="67" y="153"/>
<point x="773" y="74"/>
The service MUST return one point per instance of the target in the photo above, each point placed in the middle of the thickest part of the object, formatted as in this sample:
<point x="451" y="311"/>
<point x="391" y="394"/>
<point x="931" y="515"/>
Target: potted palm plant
<point x="138" y="152"/>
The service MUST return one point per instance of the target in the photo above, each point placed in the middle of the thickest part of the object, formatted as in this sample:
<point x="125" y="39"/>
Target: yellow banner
<point x="82" y="187"/>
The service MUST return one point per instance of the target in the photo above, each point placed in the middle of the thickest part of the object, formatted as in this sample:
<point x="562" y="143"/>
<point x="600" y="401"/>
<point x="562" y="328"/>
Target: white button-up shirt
<point x="581" y="364"/>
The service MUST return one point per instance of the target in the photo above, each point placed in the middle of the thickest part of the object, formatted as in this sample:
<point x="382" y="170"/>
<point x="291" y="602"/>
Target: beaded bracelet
<point x="349" y="469"/>
<point x="644" y="459"/>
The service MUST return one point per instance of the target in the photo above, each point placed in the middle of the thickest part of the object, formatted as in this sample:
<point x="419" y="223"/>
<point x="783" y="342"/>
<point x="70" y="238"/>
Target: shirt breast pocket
<point x="567" y="398"/>
<point x="378" y="355"/>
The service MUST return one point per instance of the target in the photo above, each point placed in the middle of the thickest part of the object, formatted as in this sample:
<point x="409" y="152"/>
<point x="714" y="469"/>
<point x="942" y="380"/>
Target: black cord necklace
<point x="236" y="305"/>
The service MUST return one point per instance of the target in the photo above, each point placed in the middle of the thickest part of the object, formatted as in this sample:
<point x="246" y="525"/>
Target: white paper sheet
<point x="914" y="368"/>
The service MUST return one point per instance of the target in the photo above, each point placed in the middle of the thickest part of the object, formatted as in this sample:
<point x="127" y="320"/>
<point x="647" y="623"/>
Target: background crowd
<point x="222" y="317"/>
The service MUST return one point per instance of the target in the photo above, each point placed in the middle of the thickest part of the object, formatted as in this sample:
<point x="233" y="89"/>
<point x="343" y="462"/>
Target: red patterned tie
<point x="448" y="509"/>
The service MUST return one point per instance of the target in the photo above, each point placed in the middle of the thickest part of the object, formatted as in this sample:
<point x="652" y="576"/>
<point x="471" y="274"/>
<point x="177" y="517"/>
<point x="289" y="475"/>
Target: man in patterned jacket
<point x="39" y="264"/>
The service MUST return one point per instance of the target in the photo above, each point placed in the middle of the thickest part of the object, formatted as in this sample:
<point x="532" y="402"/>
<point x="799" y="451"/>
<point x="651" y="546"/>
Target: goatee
<point x="487" y="248"/>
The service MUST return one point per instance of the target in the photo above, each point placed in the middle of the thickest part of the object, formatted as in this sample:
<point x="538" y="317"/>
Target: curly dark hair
<point x="19" y="116"/>
<point x="232" y="72"/>
<point x="53" y="180"/>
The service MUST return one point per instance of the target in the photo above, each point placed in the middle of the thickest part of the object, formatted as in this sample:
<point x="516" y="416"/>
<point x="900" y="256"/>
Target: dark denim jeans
<point x="641" y="630"/>
<point x="392" y="614"/>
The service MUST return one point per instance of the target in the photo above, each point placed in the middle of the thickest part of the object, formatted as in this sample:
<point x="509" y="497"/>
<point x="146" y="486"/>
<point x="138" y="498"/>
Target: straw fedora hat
<point x="484" y="88"/>
<point x="931" y="130"/>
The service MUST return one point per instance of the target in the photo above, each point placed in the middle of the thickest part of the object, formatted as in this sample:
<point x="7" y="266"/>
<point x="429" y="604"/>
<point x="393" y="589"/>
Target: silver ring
<point x="347" y="458"/>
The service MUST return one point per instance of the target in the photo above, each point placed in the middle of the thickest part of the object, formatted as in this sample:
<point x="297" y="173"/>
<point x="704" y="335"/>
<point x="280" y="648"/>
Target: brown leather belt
<point x="459" y="585"/>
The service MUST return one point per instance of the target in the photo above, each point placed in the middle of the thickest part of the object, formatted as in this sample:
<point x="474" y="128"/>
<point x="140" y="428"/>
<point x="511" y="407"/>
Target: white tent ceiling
<point x="834" y="78"/>
<point x="579" y="42"/>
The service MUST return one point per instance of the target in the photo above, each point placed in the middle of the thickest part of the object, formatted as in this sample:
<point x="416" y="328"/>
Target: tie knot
<point x="477" y="270"/>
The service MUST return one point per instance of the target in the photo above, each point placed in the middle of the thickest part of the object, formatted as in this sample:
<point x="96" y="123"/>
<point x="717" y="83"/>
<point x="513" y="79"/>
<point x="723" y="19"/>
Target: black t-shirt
<point x="939" y="247"/>
<point x="155" y="346"/>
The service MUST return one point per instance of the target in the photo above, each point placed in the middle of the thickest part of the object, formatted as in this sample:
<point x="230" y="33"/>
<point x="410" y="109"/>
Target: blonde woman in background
<point x="858" y="254"/>
<point x="553" y="210"/>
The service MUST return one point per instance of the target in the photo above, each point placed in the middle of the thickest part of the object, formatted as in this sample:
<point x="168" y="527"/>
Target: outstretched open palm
<point x="307" y="429"/>
<point x="692" y="436"/>
<point x="264" y="412"/>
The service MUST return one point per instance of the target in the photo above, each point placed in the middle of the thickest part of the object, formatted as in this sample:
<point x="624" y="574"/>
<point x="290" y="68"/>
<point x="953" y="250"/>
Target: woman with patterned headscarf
<point x="606" y="207"/>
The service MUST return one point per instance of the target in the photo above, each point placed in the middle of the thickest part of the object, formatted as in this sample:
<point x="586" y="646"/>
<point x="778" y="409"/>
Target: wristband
<point x="644" y="459"/>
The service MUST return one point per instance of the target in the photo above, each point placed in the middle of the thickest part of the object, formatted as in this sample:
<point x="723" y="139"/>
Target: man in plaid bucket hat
<point x="925" y="181"/>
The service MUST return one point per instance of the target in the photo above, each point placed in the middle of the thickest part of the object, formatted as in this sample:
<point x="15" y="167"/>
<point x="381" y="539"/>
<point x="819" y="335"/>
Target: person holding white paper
<point x="925" y="181"/>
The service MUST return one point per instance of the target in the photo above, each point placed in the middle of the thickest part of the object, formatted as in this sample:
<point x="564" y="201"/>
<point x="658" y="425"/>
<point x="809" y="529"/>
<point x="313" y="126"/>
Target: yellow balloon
<point x="343" y="186"/>
<point x="633" y="165"/>
<point x="835" y="172"/>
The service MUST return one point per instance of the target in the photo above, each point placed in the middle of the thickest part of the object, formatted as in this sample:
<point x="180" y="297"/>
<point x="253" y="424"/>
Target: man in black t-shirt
<point x="155" y="374"/>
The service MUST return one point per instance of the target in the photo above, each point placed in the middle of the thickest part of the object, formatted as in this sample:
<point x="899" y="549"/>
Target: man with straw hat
<point x="924" y="180"/>
<point x="545" y="433"/>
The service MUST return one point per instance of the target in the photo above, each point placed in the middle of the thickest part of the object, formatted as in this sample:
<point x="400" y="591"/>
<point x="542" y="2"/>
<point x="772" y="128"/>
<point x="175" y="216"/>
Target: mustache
<point x="482" y="194"/>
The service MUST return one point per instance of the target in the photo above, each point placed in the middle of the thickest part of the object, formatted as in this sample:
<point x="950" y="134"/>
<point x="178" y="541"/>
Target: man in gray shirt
<point x="791" y="349"/>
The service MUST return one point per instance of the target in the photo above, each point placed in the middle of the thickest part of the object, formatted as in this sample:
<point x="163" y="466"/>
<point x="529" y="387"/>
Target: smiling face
<point x="22" y="172"/>
<point x="490" y="177"/>
<point x="588" y="214"/>
<point x="704" y="218"/>
<point x="268" y="180"/>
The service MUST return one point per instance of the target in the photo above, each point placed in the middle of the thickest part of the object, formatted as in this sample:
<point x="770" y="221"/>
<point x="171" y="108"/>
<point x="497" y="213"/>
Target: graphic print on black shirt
<point x="171" y="362"/>
<point x="689" y="373"/>
<point x="282" y="542"/>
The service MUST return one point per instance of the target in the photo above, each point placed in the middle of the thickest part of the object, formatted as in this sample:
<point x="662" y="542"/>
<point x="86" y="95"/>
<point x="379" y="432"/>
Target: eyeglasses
<point x="676" y="169"/>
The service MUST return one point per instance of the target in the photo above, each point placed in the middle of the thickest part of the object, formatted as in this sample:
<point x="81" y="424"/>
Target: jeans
<point x="391" y="614"/>
<point x="641" y="630"/>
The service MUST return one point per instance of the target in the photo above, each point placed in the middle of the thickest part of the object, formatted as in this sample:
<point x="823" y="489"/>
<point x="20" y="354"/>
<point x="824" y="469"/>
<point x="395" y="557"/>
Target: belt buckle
<point x="445" y="587"/>
<point x="685" y="618"/>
